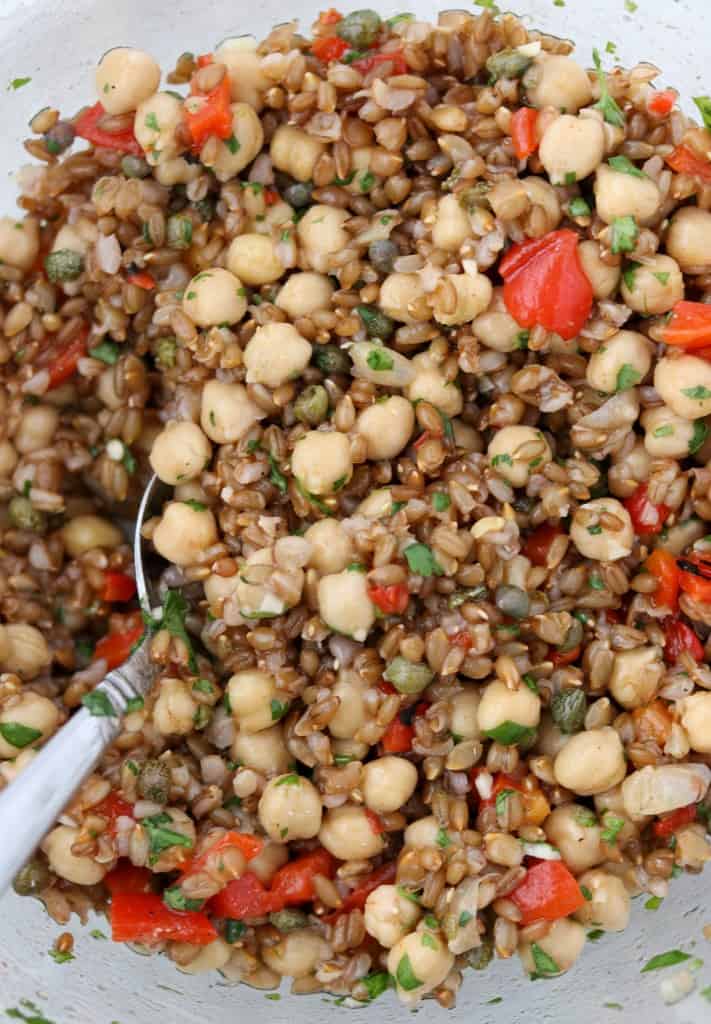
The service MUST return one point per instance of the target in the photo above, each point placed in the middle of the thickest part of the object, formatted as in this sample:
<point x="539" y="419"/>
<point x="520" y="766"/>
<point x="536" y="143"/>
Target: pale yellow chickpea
<point x="668" y="436"/>
<point x="499" y="704"/>
<point x="38" y="425"/>
<point x="557" y="81"/>
<point x="290" y="808"/>
<point x="347" y="833"/>
<point x="591" y="762"/>
<point x="233" y="155"/>
<point x="184" y="533"/>
<point x="388" y="783"/>
<point x="696" y="719"/>
<point x="594" y="535"/>
<point x="628" y="470"/>
<point x="253" y="697"/>
<point x="211" y="957"/>
<point x="295" y="151"/>
<point x="541" y="193"/>
<point x="19" y="241"/>
<point x="574" y="830"/>
<point x="452" y="225"/>
<point x="351" y="713"/>
<point x="227" y="412"/>
<point x="516" y="452"/>
<point x="497" y="329"/>
<point x="422" y="833"/>
<point x="304" y="294"/>
<point x="609" y="907"/>
<point x="402" y="297"/>
<point x="688" y="239"/>
<point x="174" y="710"/>
<point x="432" y="386"/>
<point x="412" y="960"/>
<point x="321" y="234"/>
<point x="344" y="605"/>
<point x="215" y="297"/>
<point x="247" y="80"/>
<point x="264" y="751"/>
<point x="463" y="714"/>
<point x="571" y="148"/>
<point x="296" y="954"/>
<point x="180" y="452"/>
<point x="653" y="287"/>
<point x="253" y="259"/>
<point x="155" y="125"/>
<point x="389" y="916"/>
<point x="636" y="674"/>
<point x="37" y="716"/>
<point x="685" y="385"/>
<point x="84" y="533"/>
<point x="82" y="870"/>
<point x="218" y="589"/>
<point x="618" y="194"/>
<point x="563" y="944"/>
<point x="331" y="547"/>
<point x="125" y="78"/>
<point x="603" y="277"/>
<point x="459" y="298"/>
<point x="275" y="354"/>
<point x="253" y="595"/>
<point x="321" y="461"/>
<point x="387" y="427"/>
<point x="24" y="650"/>
<point x="622" y="361"/>
<point x="176" y="171"/>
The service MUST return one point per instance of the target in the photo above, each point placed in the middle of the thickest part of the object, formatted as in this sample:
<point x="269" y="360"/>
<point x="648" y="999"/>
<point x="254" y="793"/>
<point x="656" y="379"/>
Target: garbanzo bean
<point x="402" y="298"/>
<point x="26" y="651"/>
<point x="155" y="125"/>
<point x="571" y="148"/>
<point x="247" y="79"/>
<point x="622" y="361"/>
<point x="602" y="529"/>
<point x="264" y="751"/>
<point x="563" y="944"/>
<point x="296" y="152"/>
<point x="351" y="713"/>
<point x="19" y="241"/>
<point x="452" y="225"/>
<point x="618" y="194"/>
<point x="603" y="277"/>
<point x="180" y="452"/>
<point x="423" y="832"/>
<point x="609" y="907"/>
<point x="125" y="78"/>
<point x="37" y="428"/>
<point x="574" y="830"/>
<point x="389" y="916"/>
<point x="412" y="960"/>
<point x="254" y="700"/>
<point x="321" y="233"/>
<point x="275" y="354"/>
<point x="215" y="297"/>
<point x="227" y="412"/>
<point x="290" y="808"/>
<point x="636" y="674"/>
<point x="348" y="834"/>
<point x="253" y="259"/>
<point x="696" y="719"/>
<point x="387" y="426"/>
<point x="211" y="957"/>
<point x="84" y="533"/>
<point x="497" y="329"/>
<point x="296" y="954"/>
<point x="516" y="452"/>
<point x="430" y="385"/>
<point x="240" y="149"/>
<point x="653" y="287"/>
<point x="388" y="783"/>
<point x="82" y="870"/>
<point x="35" y="717"/>
<point x="688" y="239"/>
<point x="464" y="720"/>
<point x="471" y="296"/>
<point x="591" y="762"/>
<point x="304" y="294"/>
<point x="557" y="81"/>
<point x="499" y="705"/>
<point x="685" y="385"/>
<point x="331" y="547"/>
<point x="174" y="710"/>
<point x="668" y="436"/>
<point x="344" y="605"/>
<point x="322" y="462"/>
<point x="184" y="533"/>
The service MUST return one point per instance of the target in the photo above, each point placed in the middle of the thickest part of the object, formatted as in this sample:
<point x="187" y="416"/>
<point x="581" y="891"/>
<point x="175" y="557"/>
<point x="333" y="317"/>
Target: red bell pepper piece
<point x="247" y="844"/>
<point x="689" y="327"/>
<point x="661" y="103"/>
<point x="142" y="279"/>
<point x="565" y="657"/>
<point x="501" y="782"/>
<point x="271" y="197"/>
<point x="87" y="127"/>
<point x="212" y="117"/>
<point x="245" y="897"/>
<point x="662" y="565"/>
<point x="116" y="646"/>
<point x="203" y="60"/>
<point x="328" y="48"/>
<point x="62" y="363"/>
<point x="523" y="132"/>
<point x="126" y="877"/>
<point x="463" y="639"/>
<point x="293" y="884"/>
<point x="538" y="544"/>
<point x="395" y="57"/>
<point x="671" y="822"/>
<point x="679" y="637"/>
<point x="647" y="518"/>
<point x="684" y="160"/>
<point x="374" y="821"/>
<point x="355" y="900"/>
<point x="144" y="917"/>
<point x="544" y="283"/>
<point x="392" y="599"/>
<point x="118" y="586"/>
<point x="695" y="576"/>
<point x="397" y="738"/>
<point x="113" y="807"/>
<point x="548" y="892"/>
<point x="386" y="687"/>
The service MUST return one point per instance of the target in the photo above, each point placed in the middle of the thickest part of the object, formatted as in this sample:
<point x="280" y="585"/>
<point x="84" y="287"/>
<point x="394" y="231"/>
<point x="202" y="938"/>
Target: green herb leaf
<point x="355" y="567"/>
<point x="530" y="682"/>
<point x="233" y="144"/>
<point x="510" y="734"/>
<point x="234" y="930"/>
<point x="662" y="277"/>
<point x="312" y="498"/>
<point x="653" y="903"/>
<point x="175" y="608"/>
<point x="627" y="377"/>
<point x="379" y="359"/>
<point x="405" y="976"/>
<point x="610" y="110"/>
<point x="578" y="207"/>
<point x="704" y="105"/>
<point x="504" y="459"/>
<point x="613" y="1006"/>
<point x="175" y="898"/>
<point x="585" y="817"/>
<point x="338" y="484"/>
<point x="98" y="704"/>
<point x="698" y="437"/>
<point x="545" y="965"/>
<point x="407" y="895"/>
<point x="106" y="351"/>
<point x="501" y="799"/>
<point x="613" y="827"/>
<point x="367" y="181"/>
<point x="375" y="984"/>
<point x="595" y="934"/>
<point x="464" y="918"/>
<point x="706" y="993"/>
<point x="666" y="430"/>
<point x="628" y="274"/>
<point x="625" y="166"/>
<point x="630" y="6"/>
<point x="128" y="460"/>
<point x="571" y="178"/>
<point x="441" y="501"/>
<point x="623" y="234"/>
<point x="497" y="999"/>
<point x="151" y="122"/>
<point x="279" y="709"/>
<point x="161" y="838"/>
<point x="289" y="780"/>
<point x="698" y="393"/>
<point x="276" y="476"/>
<point x="595" y="530"/>
<point x="488" y="5"/>
<point x="343" y="759"/>
<point x="96" y="933"/>
<point x="61" y="956"/>
<point x="19" y="735"/>
<point x="674" y="956"/>
<point x="421" y="561"/>
<point x="196" y="506"/>
<point x="443" y="840"/>
<point x="595" y="583"/>
<point x="17" y="83"/>
<point x="586" y="893"/>
<point x="134" y="704"/>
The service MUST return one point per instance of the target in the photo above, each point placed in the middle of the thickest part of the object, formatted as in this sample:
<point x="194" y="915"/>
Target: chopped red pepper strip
<point x="392" y="599"/>
<point x="689" y="327"/>
<point x="126" y="877"/>
<point x="647" y="518"/>
<point x="538" y="544"/>
<point x="661" y="103"/>
<point x="523" y="132"/>
<point x="62" y="363"/>
<point x="87" y="127"/>
<point x="397" y="738"/>
<point x="116" y="646"/>
<point x="144" y="917"/>
<point x="395" y="57"/>
<point x="293" y="883"/>
<point x="548" y="892"/>
<point x="662" y="565"/>
<point x="695" y="576"/>
<point x="679" y="637"/>
<point x="463" y="639"/>
<point x="203" y="60"/>
<point x="328" y="48"/>
<point x="684" y="160"/>
<point x="118" y="586"/>
<point x="245" y="897"/>
<point x="374" y="821"/>
<point x="142" y="279"/>
<point x="212" y="116"/>
<point x="248" y="845"/>
<point x="671" y="822"/>
<point x="113" y="807"/>
<point x="565" y="657"/>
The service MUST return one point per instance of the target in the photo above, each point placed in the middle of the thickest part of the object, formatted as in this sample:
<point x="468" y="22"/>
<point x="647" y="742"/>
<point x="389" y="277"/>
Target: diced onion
<point x="676" y="987"/>
<point x="543" y="851"/>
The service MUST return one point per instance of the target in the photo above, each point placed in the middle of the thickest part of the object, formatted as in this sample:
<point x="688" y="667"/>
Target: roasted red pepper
<point x="126" y="877"/>
<point x="144" y="917"/>
<point x="548" y="892"/>
<point x="546" y="285"/>
<point x="679" y="637"/>
<point x="328" y="48"/>
<point x="560" y="658"/>
<point x="395" y="57"/>
<point x="647" y="518"/>
<point x="116" y="646"/>
<point x="523" y="132"/>
<point x="62" y="362"/>
<point x="245" y="897"/>
<point x="684" y="160"/>
<point x="661" y="103"/>
<point x="118" y="586"/>
<point x="662" y="565"/>
<point x="397" y="738"/>
<point x="293" y="884"/>
<point x="87" y="127"/>
<point x="689" y="327"/>
<point x="248" y="845"/>
<point x="213" y="116"/>
<point x="695" y="576"/>
<point x="392" y="599"/>
<point x="501" y="782"/>
<point x="538" y="544"/>
<point x="374" y="821"/>
<point x="671" y="822"/>
<point x="113" y="807"/>
<point x="142" y="279"/>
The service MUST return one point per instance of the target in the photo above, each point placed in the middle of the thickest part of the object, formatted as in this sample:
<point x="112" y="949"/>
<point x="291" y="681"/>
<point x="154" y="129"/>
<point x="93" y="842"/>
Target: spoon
<point x="31" y="804"/>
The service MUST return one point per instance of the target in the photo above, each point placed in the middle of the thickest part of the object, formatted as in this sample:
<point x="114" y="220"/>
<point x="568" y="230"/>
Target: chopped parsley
<point x="279" y="709"/>
<point x="585" y="817"/>
<point x="443" y="840"/>
<point x="421" y="561"/>
<point x="610" y="110"/>
<point x="627" y="377"/>
<point x="698" y="393"/>
<point x="587" y="894"/>
<point x="203" y="686"/>
<point x="630" y="6"/>
<point x="276" y="476"/>
<point x="653" y="903"/>
<point x="595" y="934"/>
<point x="698" y="437"/>
<point x="196" y="506"/>
<point x="530" y="682"/>
<point x="628" y="274"/>
<point x="405" y="976"/>
<point x="545" y="965"/>
<point x="289" y="780"/>
<point x="407" y="895"/>
<point x="175" y="898"/>
<point x="669" y="959"/>
<point x="623" y="234"/>
<point x="175" y="608"/>
<point x="375" y="984"/>
<point x="161" y="838"/>
<point x="17" y="83"/>
<point x="61" y="956"/>
<point x="19" y="735"/>
<point x="107" y="352"/>
<point x="661" y="276"/>
<point x="509" y="734"/>
<point x="441" y="501"/>
<point x="151" y="122"/>
<point x="613" y="827"/>
<point x="624" y="165"/>
<point x="571" y="178"/>
<point x="504" y="459"/>
<point x="233" y="144"/>
<point x="594" y="582"/>
<point x="134" y="704"/>
<point x="666" y="430"/>
<point x="501" y="799"/>
<point x="704" y="105"/>
<point x="578" y="207"/>
<point x="379" y="359"/>
<point x="464" y="918"/>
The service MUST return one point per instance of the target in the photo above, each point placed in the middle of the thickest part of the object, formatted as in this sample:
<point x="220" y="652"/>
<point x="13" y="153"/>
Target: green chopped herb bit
<point x="279" y="709"/>
<point x="289" y="780"/>
<point x="196" y="506"/>
<point x="17" y="83"/>
<point x="274" y="996"/>
<point x="669" y="959"/>
<point x="510" y="734"/>
<point x="613" y="1006"/>
<point x="343" y="759"/>
<point x="61" y="956"/>
<point x="613" y="827"/>
<point x="375" y="984"/>
<point x="422" y="561"/>
<point x="698" y="393"/>
<point x="704" y="105"/>
<point x="705" y="993"/>
<point x="488" y="5"/>
<point x="610" y="110"/>
<point x="499" y="999"/>
<point x="630" y="6"/>
<point x="234" y="930"/>
<point x="379" y="359"/>
<point x="98" y="704"/>
<point x="628" y="274"/>
<point x="441" y="501"/>
<point x="545" y="965"/>
<point x="595" y="583"/>
<point x="107" y="352"/>
<point x="595" y="934"/>
<point x="276" y="476"/>
<point x="666" y="430"/>
<point x="175" y="898"/>
<point x="571" y="178"/>
<point x="443" y="840"/>
<point x="585" y="817"/>
<point x="367" y="181"/>
<point x="624" y="165"/>
<point x="611" y="48"/>
<point x="464" y="918"/>
<point x="405" y="976"/>
<point x="501" y="799"/>
<point x="96" y="933"/>
<point x="175" y="608"/>
<point x="151" y="122"/>
<point x="504" y="459"/>
<point x="128" y="460"/>
<point x="407" y="895"/>
<point x="233" y="144"/>
<point x="653" y="903"/>
<point x="627" y="377"/>
<point x="587" y="894"/>
<point x="578" y="207"/>
<point x="19" y="735"/>
<point x="662" y="276"/>
<point x="623" y="234"/>
<point x="530" y="682"/>
<point x="595" y="530"/>
<point x="698" y="436"/>
<point x="161" y="838"/>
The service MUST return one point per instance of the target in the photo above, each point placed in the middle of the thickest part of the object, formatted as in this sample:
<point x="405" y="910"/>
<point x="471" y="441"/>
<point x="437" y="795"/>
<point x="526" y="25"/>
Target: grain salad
<point x="415" y="321"/>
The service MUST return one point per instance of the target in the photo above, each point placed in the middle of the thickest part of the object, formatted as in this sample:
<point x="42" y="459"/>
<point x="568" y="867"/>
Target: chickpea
<point x="19" y="241"/>
<point x="290" y="808"/>
<point x="621" y="362"/>
<point x="81" y="870"/>
<point x="351" y="714"/>
<point x="304" y="294"/>
<point x="696" y="719"/>
<point x="184" y="533"/>
<point x="653" y="287"/>
<point x="459" y="298"/>
<point x="8" y="459"/>
<point x="499" y="704"/>
<point x="253" y="594"/>
<point x="215" y="297"/>
<point x="346" y="832"/>
<point x="636" y="674"/>
<point x="297" y="953"/>
<point x="430" y="964"/>
<point x="422" y="833"/>
<point x="591" y="762"/>
<point x="688" y="239"/>
<point x="563" y="944"/>
<point x="227" y="412"/>
<point x="571" y="148"/>
<point x="176" y="171"/>
<point x="218" y="589"/>
<point x="463" y="714"/>
<point x="667" y="436"/>
<point x="253" y="259"/>
<point x="331" y="547"/>
<point x="38" y="425"/>
<point x="388" y="783"/>
<point x="603" y="277"/>
<point x="275" y="354"/>
<point x="247" y="79"/>
<point x="295" y="151"/>
<point x="430" y="385"/>
<point x="31" y="711"/>
<point x="497" y="329"/>
<point x="685" y="385"/>
<point x="389" y="916"/>
<point x="516" y="452"/>
<point x="618" y="194"/>
<point x="595" y="538"/>
<point x="155" y="124"/>
<point x="573" y="829"/>
<point x="609" y="907"/>
<point x="84" y="533"/>
<point x="174" y="711"/>
<point x="75" y="238"/>
<point x="253" y="697"/>
<point x="387" y="427"/>
<point x="344" y="605"/>
<point x="379" y="503"/>
<point x="402" y="297"/>
<point x="628" y="470"/>
<point x="321" y="234"/>
<point x="452" y="226"/>
<point x="264" y="751"/>
<point x="180" y="452"/>
<point x="211" y="957"/>
<point x="542" y="194"/>
<point x="557" y="81"/>
<point x="322" y="462"/>
<point x="125" y="78"/>
<point x="248" y="135"/>
<point x="24" y="650"/>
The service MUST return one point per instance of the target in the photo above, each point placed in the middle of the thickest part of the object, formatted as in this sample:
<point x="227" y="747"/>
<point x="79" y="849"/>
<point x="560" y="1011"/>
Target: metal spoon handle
<point x="30" y="806"/>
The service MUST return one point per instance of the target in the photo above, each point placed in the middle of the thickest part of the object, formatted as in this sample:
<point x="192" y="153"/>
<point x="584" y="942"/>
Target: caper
<point x="153" y="782"/>
<point x="135" y="167"/>
<point x="331" y="359"/>
<point x="475" y="197"/>
<point x="165" y="352"/>
<point x="377" y="323"/>
<point x="408" y="676"/>
<point x="32" y="878"/>
<point x="63" y="265"/>
<point x="24" y="516"/>
<point x="359" y="28"/>
<point x="507" y="64"/>
<point x="481" y="956"/>
<point x="179" y="234"/>
<point x="59" y="137"/>
<point x="382" y="255"/>
<point x="512" y="601"/>
<point x="205" y="208"/>
<point x="298" y="195"/>
<point x="573" y="638"/>
<point x="288" y="920"/>
<point x="568" y="709"/>
<point x="312" y="405"/>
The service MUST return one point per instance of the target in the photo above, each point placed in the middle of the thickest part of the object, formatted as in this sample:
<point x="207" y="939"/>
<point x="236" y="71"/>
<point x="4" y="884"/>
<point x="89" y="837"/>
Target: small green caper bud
<point x="153" y="781"/>
<point x="312" y="405"/>
<point x="24" y="516"/>
<point x="331" y="359"/>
